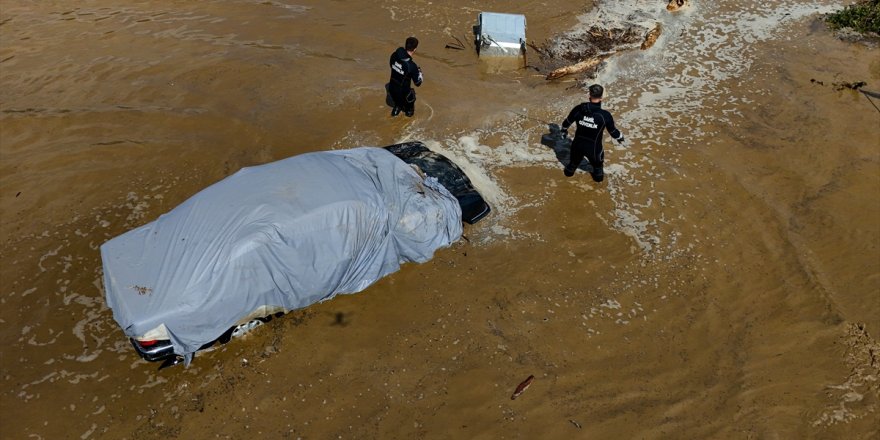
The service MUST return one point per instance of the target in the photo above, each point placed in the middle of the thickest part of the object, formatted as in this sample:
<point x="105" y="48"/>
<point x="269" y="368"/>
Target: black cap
<point x="596" y="91"/>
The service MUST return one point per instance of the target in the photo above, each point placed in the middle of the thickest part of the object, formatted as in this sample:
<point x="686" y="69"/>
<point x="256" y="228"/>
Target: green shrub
<point x="863" y="17"/>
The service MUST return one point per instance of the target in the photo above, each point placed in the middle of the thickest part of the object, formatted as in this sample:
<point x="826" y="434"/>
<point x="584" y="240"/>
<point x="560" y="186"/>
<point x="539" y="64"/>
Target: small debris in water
<point x="847" y="85"/>
<point x="522" y="387"/>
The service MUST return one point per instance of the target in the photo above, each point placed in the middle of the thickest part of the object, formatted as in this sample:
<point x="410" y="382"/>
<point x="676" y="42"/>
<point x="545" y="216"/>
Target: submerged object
<point x="279" y="237"/>
<point x="554" y="138"/>
<point x="498" y="34"/>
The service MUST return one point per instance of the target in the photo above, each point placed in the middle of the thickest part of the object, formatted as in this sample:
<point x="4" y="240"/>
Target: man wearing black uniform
<point x="591" y="121"/>
<point x="404" y="70"/>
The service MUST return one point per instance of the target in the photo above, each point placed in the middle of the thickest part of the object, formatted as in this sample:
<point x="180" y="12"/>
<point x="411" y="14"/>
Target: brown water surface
<point x="724" y="282"/>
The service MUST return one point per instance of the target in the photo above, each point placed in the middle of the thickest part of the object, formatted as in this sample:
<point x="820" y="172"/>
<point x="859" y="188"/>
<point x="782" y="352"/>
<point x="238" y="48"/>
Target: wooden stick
<point x="575" y="68"/>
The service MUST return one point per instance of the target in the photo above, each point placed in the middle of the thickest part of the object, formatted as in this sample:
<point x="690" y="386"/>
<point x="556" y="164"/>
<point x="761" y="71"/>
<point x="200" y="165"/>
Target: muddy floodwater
<point x="723" y="282"/>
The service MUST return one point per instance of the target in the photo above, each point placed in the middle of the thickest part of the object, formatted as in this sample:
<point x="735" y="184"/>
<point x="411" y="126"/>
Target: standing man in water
<point x="404" y="70"/>
<point x="591" y="121"/>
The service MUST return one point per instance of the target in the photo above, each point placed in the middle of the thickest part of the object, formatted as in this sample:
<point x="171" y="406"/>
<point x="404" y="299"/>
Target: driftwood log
<point x="589" y="63"/>
<point x="651" y="37"/>
<point x="577" y="68"/>
<point x="598" y="36"/>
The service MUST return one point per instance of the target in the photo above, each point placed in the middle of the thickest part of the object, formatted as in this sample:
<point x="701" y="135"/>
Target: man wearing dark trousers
<point x="591" y="122"/>
<point x="403" y="71"/>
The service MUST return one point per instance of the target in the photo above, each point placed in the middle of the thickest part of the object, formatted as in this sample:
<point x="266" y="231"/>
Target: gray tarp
<point x="288" y="233"/>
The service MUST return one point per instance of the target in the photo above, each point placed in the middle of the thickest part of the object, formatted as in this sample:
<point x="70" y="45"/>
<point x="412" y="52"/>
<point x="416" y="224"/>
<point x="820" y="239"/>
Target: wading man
<point x="591" y="121"/>
<point x="403" y="71"/>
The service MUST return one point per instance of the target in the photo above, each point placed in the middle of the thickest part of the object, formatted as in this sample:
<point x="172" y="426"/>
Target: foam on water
<point x="670" y="93"/>
<point x="70" y="281"/>
<point x="473" y="157"/>
<point x="518" y="150"/>
<point x="659" y="98"/>
<point x="721" y="42"/>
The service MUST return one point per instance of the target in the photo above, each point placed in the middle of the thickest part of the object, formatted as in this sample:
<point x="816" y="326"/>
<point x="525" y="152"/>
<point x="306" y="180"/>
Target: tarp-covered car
<point x="278" y="237"/>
